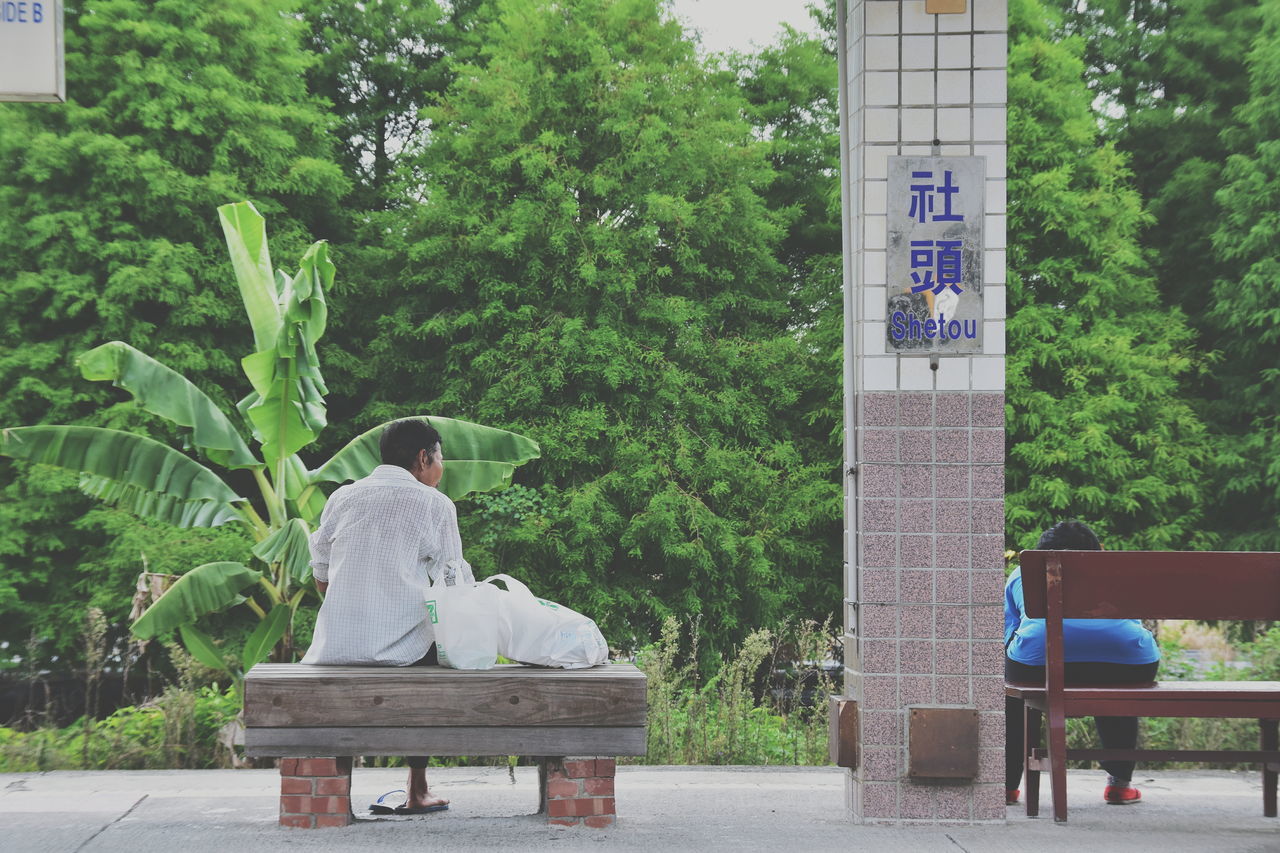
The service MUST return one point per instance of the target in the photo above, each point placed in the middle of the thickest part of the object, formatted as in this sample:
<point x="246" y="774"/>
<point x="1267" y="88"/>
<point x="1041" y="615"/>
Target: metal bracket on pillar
<point x="842" y="735"/>
<point x="942" y="743"/>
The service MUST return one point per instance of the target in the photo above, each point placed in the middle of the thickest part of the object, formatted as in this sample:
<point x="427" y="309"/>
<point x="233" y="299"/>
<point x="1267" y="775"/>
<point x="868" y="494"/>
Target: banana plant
<point x="284" y="413"/>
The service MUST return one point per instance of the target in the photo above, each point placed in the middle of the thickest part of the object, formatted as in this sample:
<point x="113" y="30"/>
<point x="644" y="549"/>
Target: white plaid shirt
<point x="381" y="540"/>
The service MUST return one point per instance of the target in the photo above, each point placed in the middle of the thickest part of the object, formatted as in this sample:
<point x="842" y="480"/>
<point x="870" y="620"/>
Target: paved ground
<point x="663" y="809"/>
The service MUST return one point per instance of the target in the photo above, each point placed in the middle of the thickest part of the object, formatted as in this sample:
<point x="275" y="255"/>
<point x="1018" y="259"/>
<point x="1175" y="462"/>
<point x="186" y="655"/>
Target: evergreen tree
<point x="1171" y="75"/>
<point x="379" y="64"/>
<point x="790" y="89"/>
<point x="1097" y="426"/>
<point x="1175" y="79"/>
<point x="1245" y="305"/>
<point x="792" y="103"/>
<point x="108" y="232"/>
<point x="592" y="264"/>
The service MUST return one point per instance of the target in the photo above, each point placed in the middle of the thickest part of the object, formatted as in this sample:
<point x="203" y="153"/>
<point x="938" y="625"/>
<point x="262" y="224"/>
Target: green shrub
<point x="179" y="729"/>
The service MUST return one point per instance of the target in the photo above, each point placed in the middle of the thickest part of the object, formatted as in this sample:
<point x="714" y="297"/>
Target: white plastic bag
<point x="536" y="631"/>
<point x="465" y="618"/>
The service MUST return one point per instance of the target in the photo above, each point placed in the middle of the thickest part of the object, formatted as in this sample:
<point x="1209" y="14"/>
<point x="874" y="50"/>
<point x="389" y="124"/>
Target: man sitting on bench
<point x="1096" y="651"/>
<point x="389" y="535"/>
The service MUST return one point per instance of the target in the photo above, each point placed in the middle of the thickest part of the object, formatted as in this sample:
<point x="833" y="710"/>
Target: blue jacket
<point x="1094" y="640"/>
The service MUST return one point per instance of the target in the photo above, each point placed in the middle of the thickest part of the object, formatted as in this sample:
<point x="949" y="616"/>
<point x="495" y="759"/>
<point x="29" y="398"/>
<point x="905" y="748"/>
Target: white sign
<point x="934" y="258"/>
<point x="31" y="51"/>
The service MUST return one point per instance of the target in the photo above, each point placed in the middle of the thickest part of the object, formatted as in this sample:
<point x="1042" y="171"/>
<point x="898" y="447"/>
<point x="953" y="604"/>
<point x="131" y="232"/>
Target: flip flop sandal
<point x="380" y="805"/>
<point x="405" y="809"/>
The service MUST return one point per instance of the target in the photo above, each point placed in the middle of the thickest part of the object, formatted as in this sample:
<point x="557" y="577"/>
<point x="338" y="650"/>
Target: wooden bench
<point x="1205" y="585"/>
<point x="317" y="718"/>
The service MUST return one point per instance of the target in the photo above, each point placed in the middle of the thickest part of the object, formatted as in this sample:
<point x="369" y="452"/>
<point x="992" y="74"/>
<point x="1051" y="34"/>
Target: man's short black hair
<point x="1069" y="536"/>
<point x="401" y="440"/>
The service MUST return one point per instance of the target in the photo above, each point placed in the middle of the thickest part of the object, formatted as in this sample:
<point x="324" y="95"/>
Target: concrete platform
<point x="661" y="809"/>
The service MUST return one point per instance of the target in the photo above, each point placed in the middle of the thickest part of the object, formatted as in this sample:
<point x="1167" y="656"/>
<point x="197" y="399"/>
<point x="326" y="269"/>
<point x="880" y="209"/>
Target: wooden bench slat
<point x="1227" y="585"/>
<point x="444" y="740"/>
<point x="1196" y="691"/>
<point x="1215" y="709"/>
<point x="295" y="695"/>
<point x="1214" y="756"/>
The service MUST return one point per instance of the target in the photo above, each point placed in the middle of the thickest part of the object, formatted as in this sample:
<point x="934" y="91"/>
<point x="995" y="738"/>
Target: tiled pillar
<point x="925" y="435"/>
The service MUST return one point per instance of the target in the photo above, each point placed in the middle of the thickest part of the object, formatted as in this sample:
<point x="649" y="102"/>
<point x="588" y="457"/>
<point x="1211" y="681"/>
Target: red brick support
<point x="315" y="792"/>
<point x="578" y="791"/>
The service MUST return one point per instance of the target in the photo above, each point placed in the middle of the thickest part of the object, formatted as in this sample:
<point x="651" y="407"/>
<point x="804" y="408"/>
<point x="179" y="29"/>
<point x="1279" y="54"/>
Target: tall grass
<point x="738" y="716"/>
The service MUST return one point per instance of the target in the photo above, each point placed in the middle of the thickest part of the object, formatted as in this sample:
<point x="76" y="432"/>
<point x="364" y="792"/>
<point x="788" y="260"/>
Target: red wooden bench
<point x="1215" y="585"/>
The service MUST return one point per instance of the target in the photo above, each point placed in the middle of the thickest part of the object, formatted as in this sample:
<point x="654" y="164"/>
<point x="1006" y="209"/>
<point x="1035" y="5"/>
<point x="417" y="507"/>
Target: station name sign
<point x="934" y="257"/>
<point x="31" y="51"/>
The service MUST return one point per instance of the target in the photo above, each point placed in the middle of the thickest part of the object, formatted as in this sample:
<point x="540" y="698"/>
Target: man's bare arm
<point x="322" y="586"/>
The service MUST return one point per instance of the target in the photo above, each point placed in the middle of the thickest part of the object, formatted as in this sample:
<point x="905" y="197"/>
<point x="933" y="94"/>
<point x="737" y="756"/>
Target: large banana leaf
<point x="305" y="311"/>
<point x="143" y="475"/>
<point x="296" y="481"/>
<point x="167" y="393"/>
<point x="296" y="476"/>
<point x="477" y="458"/>
<point x="204" y="589"/>
<point x="242" y="406"/>
<point x="246" y="233"/>
<point x="200" y="646"/>
<point x="147" y="504"/>
<point x="286" y="408"/>
<point x="266" y="635"/>
<point x="289" y="544"/>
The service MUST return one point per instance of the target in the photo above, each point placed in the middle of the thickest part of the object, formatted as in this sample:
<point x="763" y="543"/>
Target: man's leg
<point x="419" y="795"/>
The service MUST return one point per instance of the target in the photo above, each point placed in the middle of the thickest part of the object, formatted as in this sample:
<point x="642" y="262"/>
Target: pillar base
<point x="577" y="791"/>
<point x="315" y="793"/>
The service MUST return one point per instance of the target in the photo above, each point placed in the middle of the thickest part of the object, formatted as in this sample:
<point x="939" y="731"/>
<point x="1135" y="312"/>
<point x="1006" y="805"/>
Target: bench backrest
<point x="1227" y="585"/>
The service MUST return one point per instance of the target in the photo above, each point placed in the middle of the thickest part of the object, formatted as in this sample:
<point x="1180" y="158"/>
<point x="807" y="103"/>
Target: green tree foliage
<point x="379" y="63"/>
<point x="1245" y="309"/>
<point x="1188" y="86"/>
<point x="284" y="412"/>
<point x="790" y="88"/>
<point x="173" y="108"/>
<point x="593" y="265"/>
<point x="1171" y="75"/>
<point x="1098" y="428"/>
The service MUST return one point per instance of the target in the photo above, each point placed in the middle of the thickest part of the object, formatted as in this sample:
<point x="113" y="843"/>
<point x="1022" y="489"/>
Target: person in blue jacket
<point x="1096" y="651"/>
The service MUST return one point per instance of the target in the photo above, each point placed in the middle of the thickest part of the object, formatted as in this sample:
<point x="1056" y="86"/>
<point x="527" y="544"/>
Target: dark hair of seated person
<point x="1069" y="536"/>
<point x="401" y="440"/>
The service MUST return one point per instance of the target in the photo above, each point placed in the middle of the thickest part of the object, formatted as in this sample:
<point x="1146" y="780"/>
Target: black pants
<point x="419" y="762"/>
<point x="1114" y="732"/>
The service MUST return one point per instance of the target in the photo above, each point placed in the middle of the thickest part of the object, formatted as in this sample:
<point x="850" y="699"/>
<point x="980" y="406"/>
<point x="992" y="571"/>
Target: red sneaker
<point x="1120" y="793"/>
<point x="1011" y="797"/>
